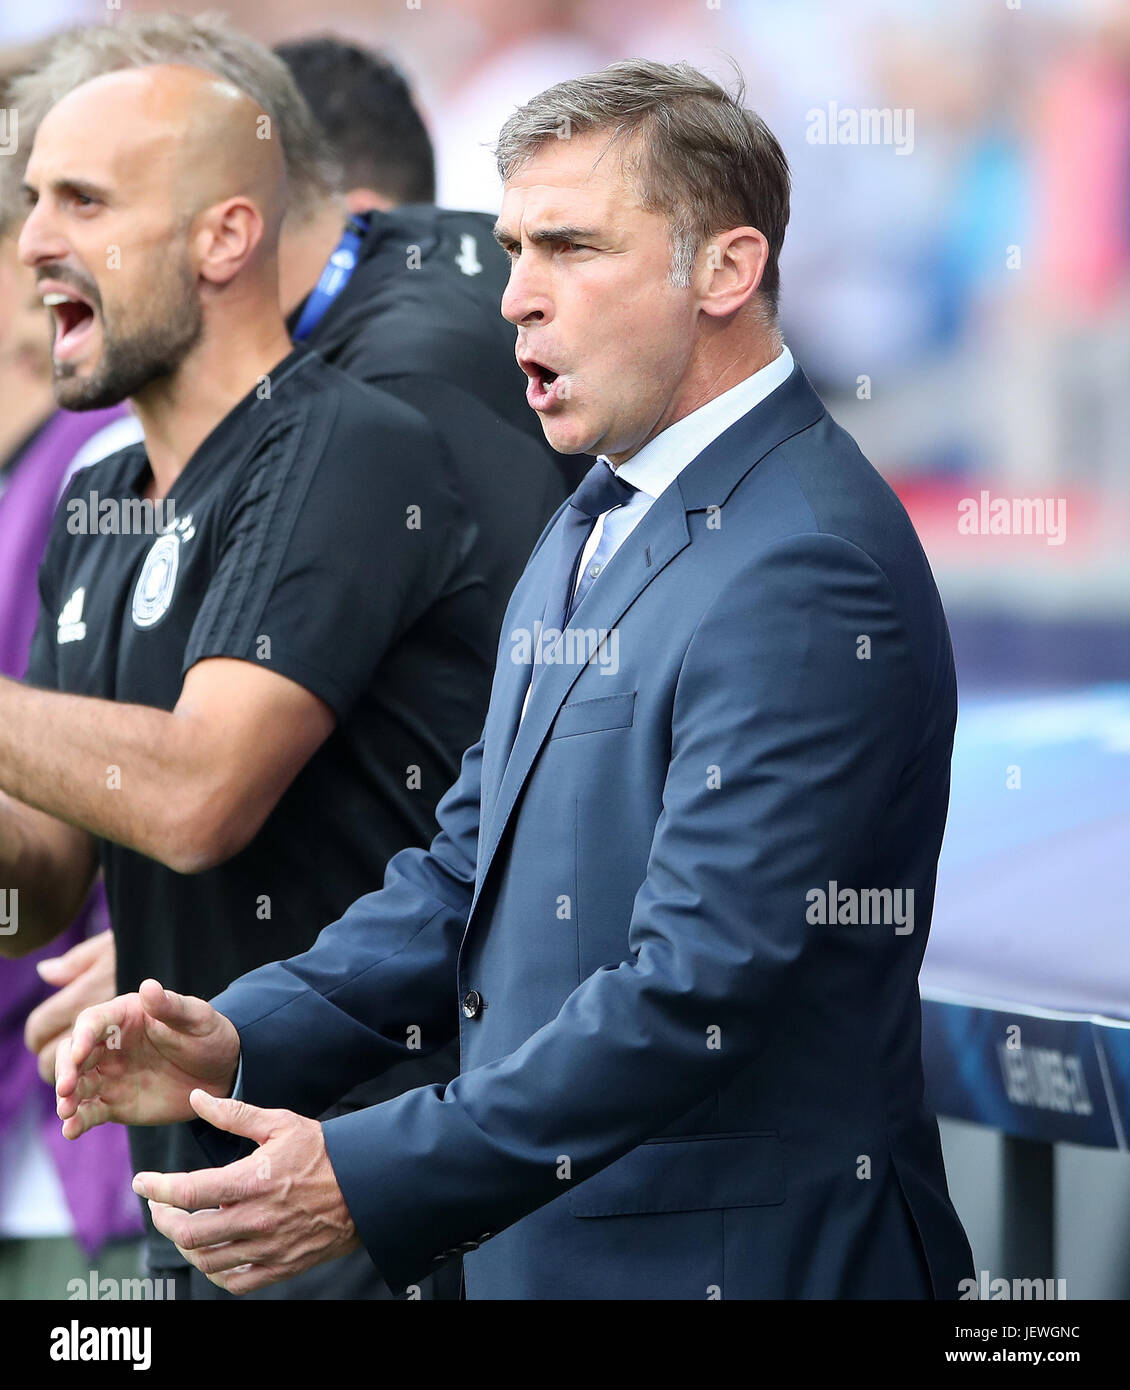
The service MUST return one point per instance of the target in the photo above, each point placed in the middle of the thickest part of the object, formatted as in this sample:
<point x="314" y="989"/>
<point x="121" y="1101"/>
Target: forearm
<point x="121" y="772"/>
<point x="378" y="987"/>
<point x="46" y="869"/>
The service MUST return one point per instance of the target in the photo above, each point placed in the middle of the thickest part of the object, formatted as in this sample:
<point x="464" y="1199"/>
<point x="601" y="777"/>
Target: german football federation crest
<point x="156" y="584"/>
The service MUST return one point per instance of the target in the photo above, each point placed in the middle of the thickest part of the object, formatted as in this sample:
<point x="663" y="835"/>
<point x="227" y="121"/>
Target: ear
<point x="730" y="267"/>
<point x="226" y="237"/>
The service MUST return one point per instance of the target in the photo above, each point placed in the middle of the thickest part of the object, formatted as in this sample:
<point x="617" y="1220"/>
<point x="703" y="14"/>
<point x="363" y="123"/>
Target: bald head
<point x="186" y="134"/>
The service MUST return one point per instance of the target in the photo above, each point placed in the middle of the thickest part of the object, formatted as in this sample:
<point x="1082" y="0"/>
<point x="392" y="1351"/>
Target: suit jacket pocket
<point x="587" y="716"/>
<point x="706" y="1173"/>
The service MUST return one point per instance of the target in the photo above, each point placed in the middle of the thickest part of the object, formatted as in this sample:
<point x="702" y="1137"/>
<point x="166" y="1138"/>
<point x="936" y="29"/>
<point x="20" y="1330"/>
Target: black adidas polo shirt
<point x="421" y="318"/>
<point x="317" y="531"/>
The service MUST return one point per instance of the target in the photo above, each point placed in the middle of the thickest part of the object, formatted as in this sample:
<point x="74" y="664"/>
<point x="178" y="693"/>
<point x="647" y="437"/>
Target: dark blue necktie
<point x="600" y="490"/>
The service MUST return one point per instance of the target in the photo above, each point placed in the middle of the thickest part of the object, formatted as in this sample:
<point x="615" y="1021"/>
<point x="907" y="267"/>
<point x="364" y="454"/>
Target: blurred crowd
<point x="987" y="264"/>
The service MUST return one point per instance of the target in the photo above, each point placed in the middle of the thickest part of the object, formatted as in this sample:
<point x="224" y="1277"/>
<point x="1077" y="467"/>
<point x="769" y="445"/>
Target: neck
<point x="180" y="411"/>
<point x="723" y="361"/>
<point x="25" y="402"/>
<point x="304" y="250"/>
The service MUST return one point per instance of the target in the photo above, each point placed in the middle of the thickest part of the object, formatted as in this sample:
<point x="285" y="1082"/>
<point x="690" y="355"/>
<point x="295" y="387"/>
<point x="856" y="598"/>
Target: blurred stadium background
<point x="960" y="294"/>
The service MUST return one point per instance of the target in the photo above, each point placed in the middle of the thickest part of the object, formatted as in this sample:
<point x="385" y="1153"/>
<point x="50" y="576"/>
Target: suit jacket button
<point x="472" y="1004"/>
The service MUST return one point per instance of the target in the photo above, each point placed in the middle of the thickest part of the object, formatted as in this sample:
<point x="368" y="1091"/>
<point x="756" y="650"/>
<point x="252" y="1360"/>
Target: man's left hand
<point x="264" y="1218"/>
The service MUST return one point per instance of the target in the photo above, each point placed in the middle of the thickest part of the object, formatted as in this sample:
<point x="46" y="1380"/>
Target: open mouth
<point x="545" y="386"/>
<point x="74" y="320"/>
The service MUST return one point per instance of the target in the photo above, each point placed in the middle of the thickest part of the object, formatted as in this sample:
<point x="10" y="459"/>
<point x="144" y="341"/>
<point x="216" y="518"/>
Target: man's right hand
<point x="85" y="975"/>
<point x="136" y="1059"/>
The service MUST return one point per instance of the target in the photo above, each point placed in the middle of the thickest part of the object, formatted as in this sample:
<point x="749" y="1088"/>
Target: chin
<point x="89" y="392"/>
<point x="568" y="436"/>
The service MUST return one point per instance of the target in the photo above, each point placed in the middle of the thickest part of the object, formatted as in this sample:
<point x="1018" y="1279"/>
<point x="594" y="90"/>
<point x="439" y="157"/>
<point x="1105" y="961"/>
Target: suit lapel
<point x="512" y="677"/>
<point x="653" y="544"/>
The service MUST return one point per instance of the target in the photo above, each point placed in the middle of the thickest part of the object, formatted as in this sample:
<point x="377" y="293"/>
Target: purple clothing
<point x="95" y="1171"/>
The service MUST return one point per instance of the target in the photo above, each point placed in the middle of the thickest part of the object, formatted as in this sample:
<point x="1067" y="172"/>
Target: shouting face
<point x="604" y="337"/>
<point x="108" y="241"/>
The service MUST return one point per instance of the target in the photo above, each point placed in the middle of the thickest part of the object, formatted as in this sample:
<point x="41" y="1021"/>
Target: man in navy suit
<point x="682" y="888"/>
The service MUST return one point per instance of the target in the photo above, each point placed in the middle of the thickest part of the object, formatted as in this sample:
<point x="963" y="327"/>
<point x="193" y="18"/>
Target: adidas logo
<point x="71" y="626"/>
<point x="468" y="257"/>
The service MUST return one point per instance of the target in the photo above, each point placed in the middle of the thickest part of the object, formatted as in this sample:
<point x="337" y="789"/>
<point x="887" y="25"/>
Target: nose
<point x="526" y="298"/>
<point x="39" y="242"/>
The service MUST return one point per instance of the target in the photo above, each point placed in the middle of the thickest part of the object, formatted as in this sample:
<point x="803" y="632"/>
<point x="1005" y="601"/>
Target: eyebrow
<point x="547" y="234"/>
<point x="81" y="186"/>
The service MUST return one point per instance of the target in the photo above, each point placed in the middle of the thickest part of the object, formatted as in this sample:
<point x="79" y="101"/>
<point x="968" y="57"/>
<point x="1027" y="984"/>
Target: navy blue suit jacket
<point x="676" y="1080"/>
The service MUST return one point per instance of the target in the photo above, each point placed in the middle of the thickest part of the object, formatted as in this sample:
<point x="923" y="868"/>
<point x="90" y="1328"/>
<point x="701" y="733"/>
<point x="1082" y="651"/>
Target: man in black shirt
<point x="293" y="550"/>
<point x="419" y="315"/>
<point x="269" y="620"/>
<point x="410" y="321"/>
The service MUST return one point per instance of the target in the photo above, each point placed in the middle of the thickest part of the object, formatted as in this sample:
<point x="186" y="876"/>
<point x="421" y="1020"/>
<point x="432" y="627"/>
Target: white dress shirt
<point x="663" y="458"/>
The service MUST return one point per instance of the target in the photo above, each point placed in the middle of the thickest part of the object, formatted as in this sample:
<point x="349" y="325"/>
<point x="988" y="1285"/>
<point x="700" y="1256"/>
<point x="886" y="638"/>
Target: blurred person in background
<point x="419" y="314"/>
<point x="511" y="52"/>
<point x="366" y="109"/>
<point x="284" y="675"/>
<point x="62" y="1214"/>
<point x="1069" y="323"/>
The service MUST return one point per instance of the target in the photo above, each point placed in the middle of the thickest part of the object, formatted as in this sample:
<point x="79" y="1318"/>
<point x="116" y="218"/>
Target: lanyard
<point x="333" y="278"/>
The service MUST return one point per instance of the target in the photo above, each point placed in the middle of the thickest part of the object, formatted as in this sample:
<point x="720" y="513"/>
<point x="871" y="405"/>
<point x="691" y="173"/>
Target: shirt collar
<point x="663" y="458"/>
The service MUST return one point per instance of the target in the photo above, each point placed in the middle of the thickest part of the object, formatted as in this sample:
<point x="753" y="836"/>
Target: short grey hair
<point x="204" y="41"/>
<point x="696" y="153"/>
